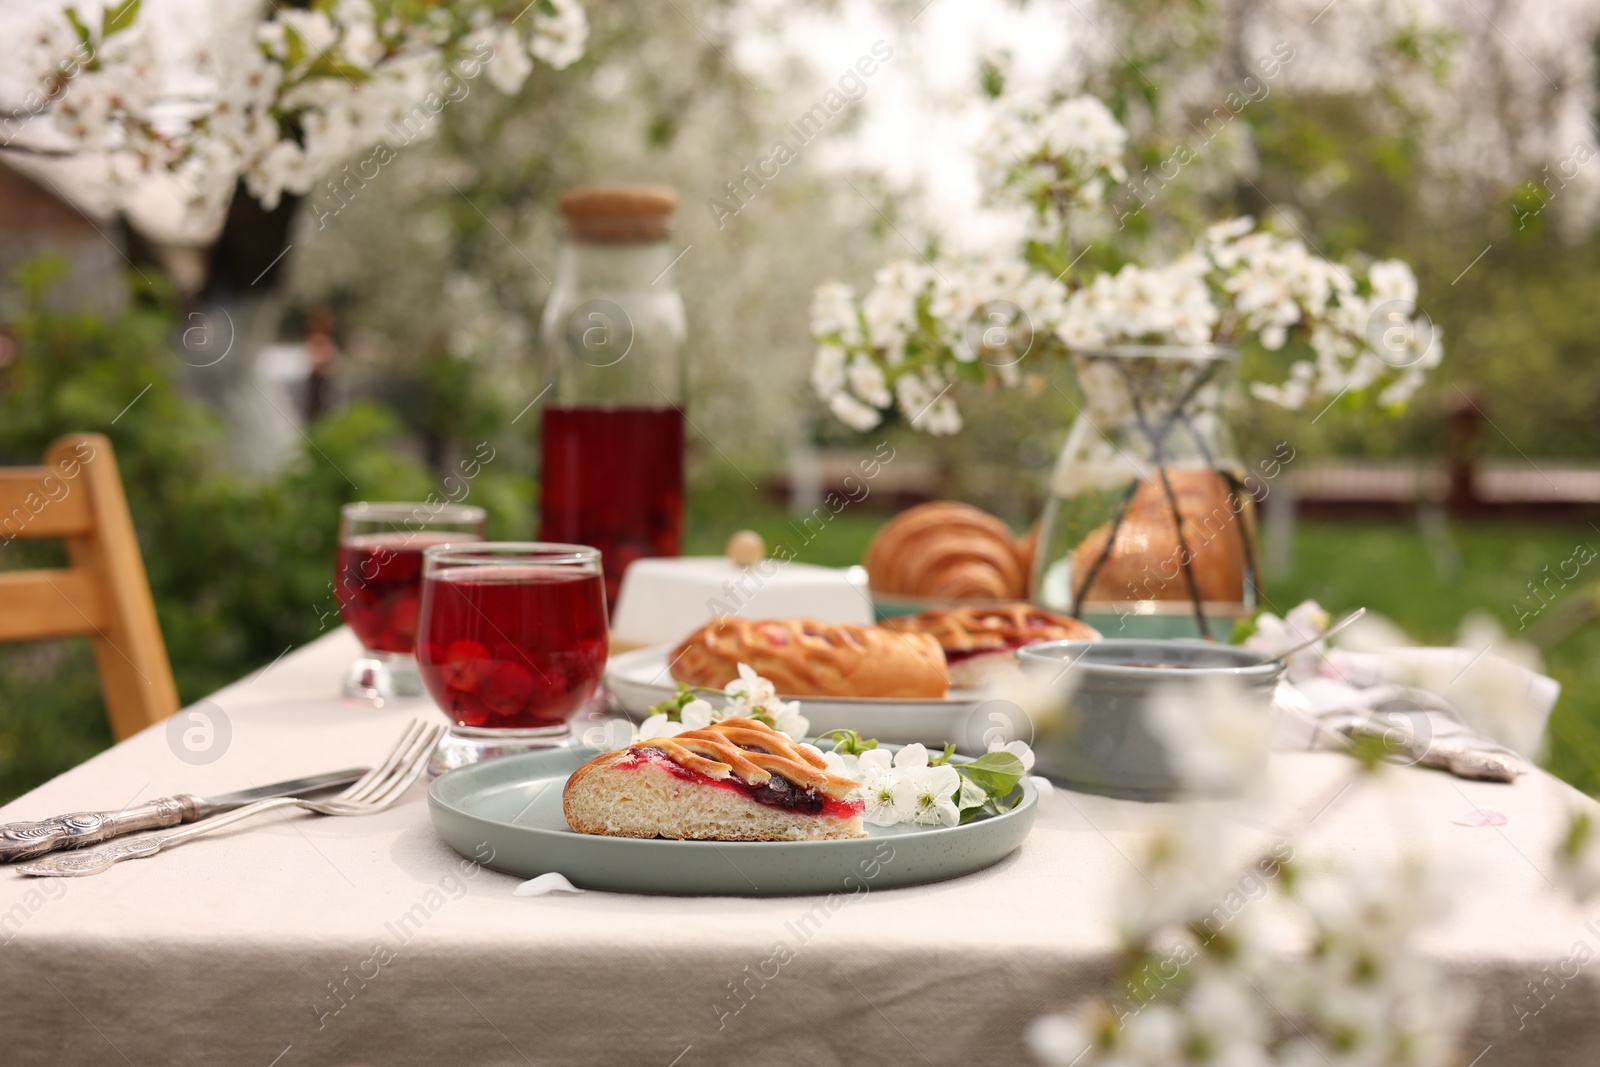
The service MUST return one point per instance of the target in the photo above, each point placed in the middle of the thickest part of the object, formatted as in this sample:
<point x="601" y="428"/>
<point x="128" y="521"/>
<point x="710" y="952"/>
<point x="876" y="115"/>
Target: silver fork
<point x="376" y="790"/>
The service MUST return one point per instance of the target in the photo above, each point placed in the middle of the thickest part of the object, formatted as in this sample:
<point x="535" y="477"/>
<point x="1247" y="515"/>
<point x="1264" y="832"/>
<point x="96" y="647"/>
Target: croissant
<point x="948" y="550"/>
<point x="803" y="657"/>
<point x="1146" y="562"/>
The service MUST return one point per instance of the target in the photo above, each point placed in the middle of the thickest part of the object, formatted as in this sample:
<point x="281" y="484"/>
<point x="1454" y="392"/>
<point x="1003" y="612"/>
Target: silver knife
<point x="20" y="840"/>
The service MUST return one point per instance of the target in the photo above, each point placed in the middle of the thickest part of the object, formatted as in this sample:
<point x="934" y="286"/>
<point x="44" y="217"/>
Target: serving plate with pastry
<point x="733" y="809"/>
<point x="913" y="679"/>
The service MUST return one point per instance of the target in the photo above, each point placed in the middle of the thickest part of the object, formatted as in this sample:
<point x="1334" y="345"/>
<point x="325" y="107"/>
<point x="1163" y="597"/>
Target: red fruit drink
<point x="613" y="478"/>
<point x="378" y="584"/>
<point x="512" y="647"/>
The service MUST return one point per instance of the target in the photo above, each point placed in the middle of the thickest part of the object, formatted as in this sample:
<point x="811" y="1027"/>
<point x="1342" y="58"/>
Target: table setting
<point x="1068" y="787"/>
<point x="471" y="886"/>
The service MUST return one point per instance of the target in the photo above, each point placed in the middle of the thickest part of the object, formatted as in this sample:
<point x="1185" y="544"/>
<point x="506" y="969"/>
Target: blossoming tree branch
<point x="279" y="97"/>
<point x="1330" y="329"/>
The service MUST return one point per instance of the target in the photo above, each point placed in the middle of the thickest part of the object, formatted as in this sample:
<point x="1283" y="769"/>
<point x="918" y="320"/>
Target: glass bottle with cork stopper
<point x="612" y="337"/>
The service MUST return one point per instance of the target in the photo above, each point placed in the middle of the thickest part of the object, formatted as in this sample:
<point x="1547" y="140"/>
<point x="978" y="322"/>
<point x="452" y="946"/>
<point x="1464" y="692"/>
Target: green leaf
<point x="969" y="372"/>
<point x="673" y="706"/>
<point x="324" y="67"/>
<point x="77" y="24"/>
<point x="294" y="47"/>
<point x="1577" y="835"/>
<point x="996" y="773"/>
<point x="848" y="742"/>
<point x="118" y="18"/>
<point x="970" y="795"/>
<point x="1244" y="629"/>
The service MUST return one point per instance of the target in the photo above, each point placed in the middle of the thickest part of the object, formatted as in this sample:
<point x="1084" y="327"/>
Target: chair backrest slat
<point x="40" y="502"/>
<point x="77" y="495"/>
<point x="49" y="603"/>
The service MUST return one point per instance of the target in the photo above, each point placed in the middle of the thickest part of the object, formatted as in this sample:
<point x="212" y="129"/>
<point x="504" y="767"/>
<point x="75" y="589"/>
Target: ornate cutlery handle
<point x="20" y="840"/>
<point x="93" y="861"/>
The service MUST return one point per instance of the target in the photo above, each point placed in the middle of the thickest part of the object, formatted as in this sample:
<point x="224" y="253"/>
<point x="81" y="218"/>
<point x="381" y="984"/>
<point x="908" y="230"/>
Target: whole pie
<point x="737" y="780"/>
<point x="979" y="640"/>
<point x="803" y="657"/>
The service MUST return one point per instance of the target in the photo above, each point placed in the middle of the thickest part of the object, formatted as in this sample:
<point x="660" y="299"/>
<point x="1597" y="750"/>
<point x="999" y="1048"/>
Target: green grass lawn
<point x="1424" y="582"/>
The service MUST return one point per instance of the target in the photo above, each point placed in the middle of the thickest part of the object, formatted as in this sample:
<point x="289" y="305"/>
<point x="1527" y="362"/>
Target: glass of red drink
<point x="378" y="585"/>
<point x="511" y="642"/>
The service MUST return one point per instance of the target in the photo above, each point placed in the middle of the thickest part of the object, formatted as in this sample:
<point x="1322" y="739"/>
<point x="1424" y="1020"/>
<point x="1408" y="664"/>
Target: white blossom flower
<point x="853" y="413"/>
<point x="833" y="314"/>
<point x="1060" y="1040"/>
<point x="510" y="65"/>
<point x="752" y="696"/>
<point x="611" y="735"/>
<point x="1392" y="279"/>
<point x="867" y="382"/>
<point x="879" y="784"/>
<point x="750" y="688"/>
<point x="1019" y="749"/>
<point x="1215" y="736"/>
<point x="827" y="371"/>
<point x="1304" y="621"/>
<point x="695" y="715"/>
<point x="926" y="795"/>
<point x="658" y="725"/>
<point x="787" y="720"/>
<point x="559" y="38"/>
<point x="843" y="764"/>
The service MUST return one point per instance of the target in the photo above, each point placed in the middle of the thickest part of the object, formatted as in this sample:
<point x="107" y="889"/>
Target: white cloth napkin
<point x="1475" y="714"/>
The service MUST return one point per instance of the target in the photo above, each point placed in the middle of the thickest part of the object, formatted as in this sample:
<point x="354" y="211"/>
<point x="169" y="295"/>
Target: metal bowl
<point x="1100" y="744"/>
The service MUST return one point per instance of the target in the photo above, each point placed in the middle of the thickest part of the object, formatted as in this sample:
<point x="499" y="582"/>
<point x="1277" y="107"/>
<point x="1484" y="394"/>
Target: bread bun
<point x="1146" y="562"/>
<point x="803" y="657"/>
<point x="946" y="550"/>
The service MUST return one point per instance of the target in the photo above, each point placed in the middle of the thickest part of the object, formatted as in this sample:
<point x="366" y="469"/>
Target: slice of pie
<point x="978" y="642"/>
<point x="738" y="780"/>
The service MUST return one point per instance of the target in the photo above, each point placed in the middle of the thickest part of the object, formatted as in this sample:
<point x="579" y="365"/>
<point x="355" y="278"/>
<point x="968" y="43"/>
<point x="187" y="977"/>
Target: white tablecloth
<point x="276" y="944"/>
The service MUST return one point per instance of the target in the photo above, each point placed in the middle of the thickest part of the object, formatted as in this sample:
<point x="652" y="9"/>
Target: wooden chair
<point x="104" y="594"/>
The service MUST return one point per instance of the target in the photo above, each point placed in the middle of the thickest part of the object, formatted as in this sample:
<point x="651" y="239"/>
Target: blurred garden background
<point x="249" y="391"/>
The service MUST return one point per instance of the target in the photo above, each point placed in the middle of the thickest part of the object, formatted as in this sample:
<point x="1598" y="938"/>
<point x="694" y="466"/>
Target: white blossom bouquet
<point x="923" y="326"/>
<point x="280" y="101"/>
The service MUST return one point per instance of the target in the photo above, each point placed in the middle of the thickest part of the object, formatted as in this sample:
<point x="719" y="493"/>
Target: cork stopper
<point x="618" y="212"/>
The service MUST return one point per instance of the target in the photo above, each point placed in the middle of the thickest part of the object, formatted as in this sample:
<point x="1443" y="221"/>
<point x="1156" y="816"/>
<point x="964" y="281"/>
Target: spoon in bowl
<point x="1329" y="632"/>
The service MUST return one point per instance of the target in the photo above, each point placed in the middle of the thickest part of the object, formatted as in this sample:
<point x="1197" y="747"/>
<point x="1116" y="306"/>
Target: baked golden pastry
<point x="979" y="640"/>
<point x="949" y="550"/>
<point x="802" y="658"/>
<point x="1146" y="563"/>
<point x="737" y="780"/>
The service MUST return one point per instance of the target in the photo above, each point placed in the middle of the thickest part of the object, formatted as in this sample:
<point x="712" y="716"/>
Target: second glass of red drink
<point x="378" y="585"/>
<point x="511" y="642"/>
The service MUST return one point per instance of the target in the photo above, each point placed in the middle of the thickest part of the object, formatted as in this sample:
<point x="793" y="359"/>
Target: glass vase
<point x="1149" y="529"/>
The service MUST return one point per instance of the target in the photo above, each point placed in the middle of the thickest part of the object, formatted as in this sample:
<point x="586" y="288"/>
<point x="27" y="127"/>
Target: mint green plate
<point x="506" y="814"/>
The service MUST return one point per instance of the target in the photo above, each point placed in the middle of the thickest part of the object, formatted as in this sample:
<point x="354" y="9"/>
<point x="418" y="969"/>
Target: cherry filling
<point x="775" y="792"/>
<point x="959" y="655"/>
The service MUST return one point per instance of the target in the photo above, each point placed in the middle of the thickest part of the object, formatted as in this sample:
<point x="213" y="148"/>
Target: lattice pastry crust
<point x="803" y="657"/>
<point x="983" y="629"/>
